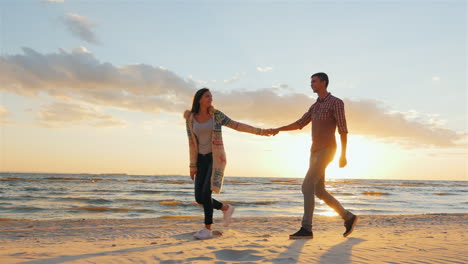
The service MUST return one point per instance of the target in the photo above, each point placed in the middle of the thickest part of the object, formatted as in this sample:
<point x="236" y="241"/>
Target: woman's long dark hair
<point x="196" y="100"/>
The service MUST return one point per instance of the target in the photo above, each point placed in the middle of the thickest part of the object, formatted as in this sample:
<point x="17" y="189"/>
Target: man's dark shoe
<point x="349" y="224"/>
<point x="302" y="234"/>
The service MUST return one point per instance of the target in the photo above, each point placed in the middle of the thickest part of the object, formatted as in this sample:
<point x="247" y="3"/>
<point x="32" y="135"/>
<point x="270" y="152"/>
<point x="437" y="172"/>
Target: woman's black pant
<point x="203" y="187"/>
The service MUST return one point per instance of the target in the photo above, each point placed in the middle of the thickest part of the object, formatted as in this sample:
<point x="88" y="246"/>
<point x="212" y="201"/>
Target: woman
<point x="207" y="156"/>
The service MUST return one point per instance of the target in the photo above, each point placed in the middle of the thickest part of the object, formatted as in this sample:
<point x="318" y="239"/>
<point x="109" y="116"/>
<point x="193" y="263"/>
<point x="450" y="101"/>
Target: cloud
<point x="80" y="27"/>
<point x="59" y="114"/>
<point x="436" y="78"/>
<point x="364" y="117"/>
<point x="235" y="78"/>
<point x="53" y="1"/>
<point x="79" y="76"/>
<point x="373" y="118"/>
<point x="264" y="69"/>
<point x="262" y="106"/>
<point x="281" y="87"/>
<point x="81" y="49"/>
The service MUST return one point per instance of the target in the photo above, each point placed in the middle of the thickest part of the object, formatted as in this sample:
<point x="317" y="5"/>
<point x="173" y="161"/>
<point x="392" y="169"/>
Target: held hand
<point x="343" y="161"/>
<point x="193" y="173"/>
<point x="274" y="131"/>
<point x="270" y="132"/>
<point x="265" y="132"/>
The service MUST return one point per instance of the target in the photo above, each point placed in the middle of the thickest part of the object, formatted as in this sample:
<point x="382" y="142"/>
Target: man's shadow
<point x="291" y="255"/>
<point x="340" y="253"/>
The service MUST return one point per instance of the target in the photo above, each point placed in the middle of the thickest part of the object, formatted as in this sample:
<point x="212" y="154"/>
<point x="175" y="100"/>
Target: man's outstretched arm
<point x="293" y="126"/>
<point x="299" y="124"/>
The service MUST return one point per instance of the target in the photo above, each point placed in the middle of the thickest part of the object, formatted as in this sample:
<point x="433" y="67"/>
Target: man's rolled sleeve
<point x="340" y="118"/>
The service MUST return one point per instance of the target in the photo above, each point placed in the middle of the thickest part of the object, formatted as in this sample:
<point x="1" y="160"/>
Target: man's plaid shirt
<point x="325" y="114"/>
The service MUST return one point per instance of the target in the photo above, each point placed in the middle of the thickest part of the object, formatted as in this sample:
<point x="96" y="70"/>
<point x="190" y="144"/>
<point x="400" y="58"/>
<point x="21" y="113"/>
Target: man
<point x="326" y="114"/>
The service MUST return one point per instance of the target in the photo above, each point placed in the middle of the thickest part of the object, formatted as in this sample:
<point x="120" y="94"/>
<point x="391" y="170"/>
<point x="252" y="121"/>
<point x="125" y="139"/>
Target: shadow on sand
<point x="185" y="237"/>
<point x="340" y="253"/>
<point x="291" y="255"/>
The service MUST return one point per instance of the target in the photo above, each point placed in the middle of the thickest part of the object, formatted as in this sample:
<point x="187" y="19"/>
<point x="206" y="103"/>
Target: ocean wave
<point x="284" y="182"/>
<point x="23" y="209"/>
<point x="170" y="202"/>
<point x="107" y="191"/>
<point x="183" y="191"/>
<point x="17" y="179"/>
<point x="141" y="181"/>
<point x="31" y="197"/>
<point x="57" y="193"/>
<point x="74" y="179"/>
<point x="180" y="217"/>
<point x="108" y="209"/>
<point x="34" y="189"/>
<point x="177" y="203"/>
<point x="458" y="185"/>
<point x="342" y="194"/>
<point x="11" y="179"/>
<point x="376" y="193"/>
<point x="374" y="211"/>
<point x="177" y="181"/>
<point x="414" y="185"/>
<point x="166" y="202"/>
<point x="12" y="219"/>
<point x="345" y="182"/>
<point x="95" y="180"/>
<point x="405" y="184"/>
<point x="236" y="182"/>
<point x="63" y="179"/>
<point x="361" y="205"/>
<point x="148" y="191"/>
<point x="84" y="199"/>
<point x="11" y="198"/>
<point x="251" y="202"/>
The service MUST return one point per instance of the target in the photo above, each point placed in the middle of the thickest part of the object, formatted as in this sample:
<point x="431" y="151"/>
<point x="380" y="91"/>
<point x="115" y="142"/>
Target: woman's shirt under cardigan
<point x="217" y="147"/>
<point x="203" y="132"/>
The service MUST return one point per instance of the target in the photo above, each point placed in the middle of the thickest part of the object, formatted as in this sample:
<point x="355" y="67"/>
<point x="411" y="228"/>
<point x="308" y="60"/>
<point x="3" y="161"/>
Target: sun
<point x="365" y="157"/>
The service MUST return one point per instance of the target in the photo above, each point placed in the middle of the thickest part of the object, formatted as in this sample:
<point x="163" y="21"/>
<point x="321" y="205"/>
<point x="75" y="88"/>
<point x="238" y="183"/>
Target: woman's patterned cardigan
<point x="217" y="147"/>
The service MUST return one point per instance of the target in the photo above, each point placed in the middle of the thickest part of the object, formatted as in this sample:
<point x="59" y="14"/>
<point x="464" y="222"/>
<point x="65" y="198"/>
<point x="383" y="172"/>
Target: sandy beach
<point x="376" y="239"/>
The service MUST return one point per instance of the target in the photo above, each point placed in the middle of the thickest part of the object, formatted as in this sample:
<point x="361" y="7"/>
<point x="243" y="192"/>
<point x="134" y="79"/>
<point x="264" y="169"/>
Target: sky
<point x="101" y="86"/>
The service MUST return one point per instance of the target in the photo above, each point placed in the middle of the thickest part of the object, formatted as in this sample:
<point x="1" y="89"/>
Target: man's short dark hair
<point x="322" y="76"/>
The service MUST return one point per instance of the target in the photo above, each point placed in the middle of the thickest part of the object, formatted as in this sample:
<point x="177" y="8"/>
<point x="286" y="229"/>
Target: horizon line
<point x="179" y="175"/>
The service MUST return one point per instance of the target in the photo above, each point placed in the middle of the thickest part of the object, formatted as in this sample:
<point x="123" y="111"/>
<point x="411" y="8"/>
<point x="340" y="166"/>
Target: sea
<point x="38" y="196"/>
